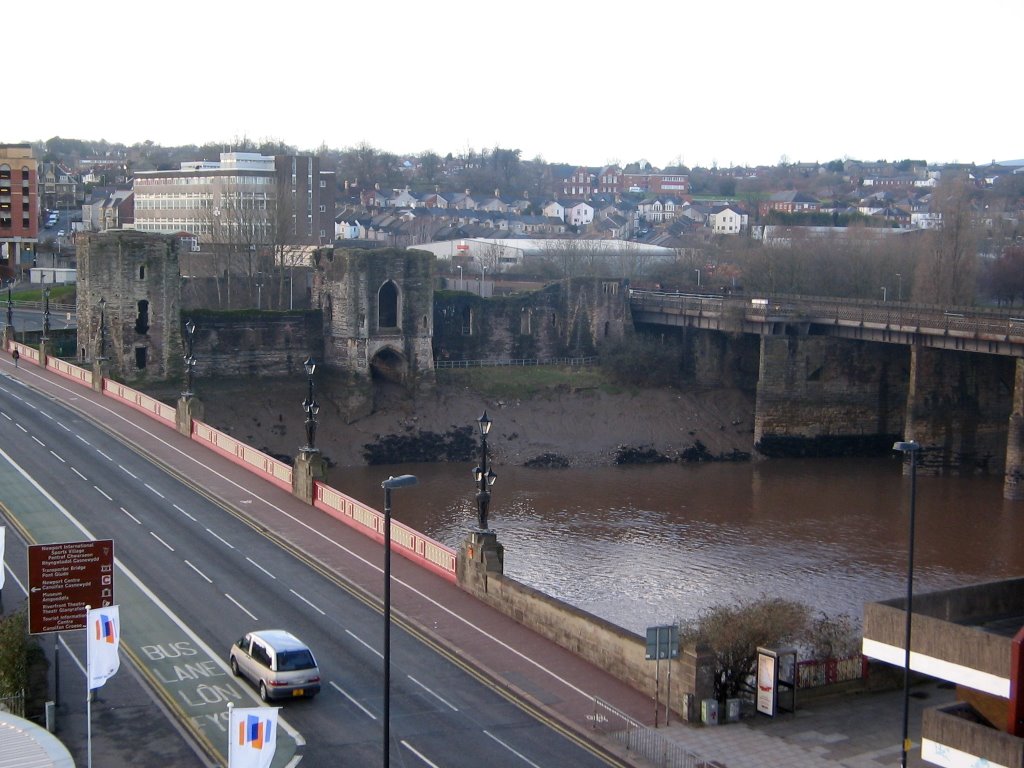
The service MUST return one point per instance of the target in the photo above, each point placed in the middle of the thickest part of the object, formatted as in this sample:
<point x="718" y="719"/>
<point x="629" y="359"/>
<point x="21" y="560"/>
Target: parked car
<point x="278" y="663"/>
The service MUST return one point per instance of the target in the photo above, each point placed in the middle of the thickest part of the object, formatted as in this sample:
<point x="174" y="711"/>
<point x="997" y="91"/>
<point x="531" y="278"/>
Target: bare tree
<point x="947" y="261"/>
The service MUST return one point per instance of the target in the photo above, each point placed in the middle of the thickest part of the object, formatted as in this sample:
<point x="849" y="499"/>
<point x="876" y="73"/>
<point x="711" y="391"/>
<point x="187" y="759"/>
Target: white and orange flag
<point x="103" y="639"/>
<point x="252" y="737"/>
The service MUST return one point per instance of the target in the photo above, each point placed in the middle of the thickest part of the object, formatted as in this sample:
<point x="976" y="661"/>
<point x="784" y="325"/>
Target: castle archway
<point x="388" y="365"/>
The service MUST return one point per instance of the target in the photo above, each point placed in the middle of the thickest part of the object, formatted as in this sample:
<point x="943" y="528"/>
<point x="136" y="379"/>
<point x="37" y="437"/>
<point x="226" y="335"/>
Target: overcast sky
<point x="736" y="82"/>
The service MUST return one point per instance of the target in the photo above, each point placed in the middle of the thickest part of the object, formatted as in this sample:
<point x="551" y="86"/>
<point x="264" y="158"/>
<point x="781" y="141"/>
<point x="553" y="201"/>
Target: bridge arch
<point x="389" y="365"/>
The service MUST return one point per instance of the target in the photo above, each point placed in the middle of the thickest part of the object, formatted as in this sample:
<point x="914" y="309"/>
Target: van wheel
<point x="263" y="691"/>
<point x="234" y="666"/>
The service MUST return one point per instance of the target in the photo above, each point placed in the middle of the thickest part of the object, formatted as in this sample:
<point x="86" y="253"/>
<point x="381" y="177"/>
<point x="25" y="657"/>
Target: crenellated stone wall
<point x="571" y="318"/>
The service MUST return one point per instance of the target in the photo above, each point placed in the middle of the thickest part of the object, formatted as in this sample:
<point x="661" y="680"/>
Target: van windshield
<point x="288" y="661"/>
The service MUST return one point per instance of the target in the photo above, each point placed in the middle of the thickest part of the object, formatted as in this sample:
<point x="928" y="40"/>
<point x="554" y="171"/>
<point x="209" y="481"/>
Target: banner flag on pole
<point x="103" y="638"/>
<point x="252" y="737"/>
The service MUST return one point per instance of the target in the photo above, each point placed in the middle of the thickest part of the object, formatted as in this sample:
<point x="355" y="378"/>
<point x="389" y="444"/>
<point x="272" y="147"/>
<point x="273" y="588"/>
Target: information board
<point x="65" y="578"/>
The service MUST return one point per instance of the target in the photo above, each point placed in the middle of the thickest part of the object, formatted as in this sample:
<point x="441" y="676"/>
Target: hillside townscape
<point x="900" y="230"/>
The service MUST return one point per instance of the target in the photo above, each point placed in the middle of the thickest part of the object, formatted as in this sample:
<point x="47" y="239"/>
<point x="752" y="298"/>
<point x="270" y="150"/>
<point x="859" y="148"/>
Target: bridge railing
<point x="982" y="322"/>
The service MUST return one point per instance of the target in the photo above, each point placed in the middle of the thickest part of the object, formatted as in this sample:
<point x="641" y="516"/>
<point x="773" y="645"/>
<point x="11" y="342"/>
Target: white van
<point x="277" y="663"/>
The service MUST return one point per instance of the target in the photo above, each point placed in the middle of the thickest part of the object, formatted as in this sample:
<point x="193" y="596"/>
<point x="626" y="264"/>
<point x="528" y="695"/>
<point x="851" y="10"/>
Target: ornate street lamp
<point x="913" y="448"/>
<point x="190" y="359"/>
<point x="484" y="476"/>
<point x="402" y="481"/>
<point x="311" y="407"/>
<point x="46" y="313"/>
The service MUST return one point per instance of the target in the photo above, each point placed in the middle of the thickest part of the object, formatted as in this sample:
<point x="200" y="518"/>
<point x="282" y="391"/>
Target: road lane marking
<point x="344" y="693"/>
<point x="21" y="428"/>
<point x="127" y="471"/>
<point x="102" y="493"/>
<point x="186" y="514"/>
<point x="240" y="606"/>
<point x="261" y="568"/>
<point x="80" y="474"/>
<point x="360" y="640"/>
<point x="133" y="517"/>
<point x="154" y="490"/>
<point x="307" y="602"/>
<point x="58" y="457"/>
<point x="422" y="757"/>
<point x="522" y="757"/>
<point x="221" y="540"/>
<point x="448" y="704"/>
<point x="101" y="453"/>
<point x="161" y="541"/>
<point x="198" y="571"/>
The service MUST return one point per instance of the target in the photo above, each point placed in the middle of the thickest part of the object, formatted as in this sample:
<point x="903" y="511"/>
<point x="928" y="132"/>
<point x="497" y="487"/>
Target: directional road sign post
<point x="65" y="578"/>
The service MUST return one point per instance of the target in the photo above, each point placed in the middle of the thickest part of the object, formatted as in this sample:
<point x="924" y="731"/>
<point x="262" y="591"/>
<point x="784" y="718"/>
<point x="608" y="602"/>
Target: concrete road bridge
<point x="837" y="374"/>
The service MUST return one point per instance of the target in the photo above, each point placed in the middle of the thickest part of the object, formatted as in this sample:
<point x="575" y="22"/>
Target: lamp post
<point x="899" y="287"/>
<point x="311" y="407"/>
<point x="698" y="277"/>
<point x="883" y="293"/>
<point x="484" y="476"/>
<point x="259" y="290"/>
<point x="402" y="481"/>
<point x="190" y="359"/>
<point x="460" y="277"/>
<point x="10" y="308"/>
<point x="103" y="329"/>
<point x="46" y="313"/>
<point x="913" y="448"/>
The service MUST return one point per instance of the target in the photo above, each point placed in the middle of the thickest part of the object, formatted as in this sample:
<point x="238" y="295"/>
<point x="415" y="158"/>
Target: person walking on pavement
<point x="16" y="355"/>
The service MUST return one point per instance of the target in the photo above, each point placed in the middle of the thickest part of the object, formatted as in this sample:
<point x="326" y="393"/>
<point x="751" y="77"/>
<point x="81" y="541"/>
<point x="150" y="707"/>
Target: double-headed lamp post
<point x="483" y="475"/>
<point x="46" y="313"/>
<point x="913" y="448"/>
<point x="402" y="481"/>
<point x="103" y="329"/>
<point x="311" y="407"/>
<point x="190" y="359"/>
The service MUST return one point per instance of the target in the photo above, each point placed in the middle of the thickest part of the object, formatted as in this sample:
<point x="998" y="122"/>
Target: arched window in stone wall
<point x="387" y="305"/>
<point x="607" y="328"/>
<point x="142" y="272"/>
<point x="142" y="318"/>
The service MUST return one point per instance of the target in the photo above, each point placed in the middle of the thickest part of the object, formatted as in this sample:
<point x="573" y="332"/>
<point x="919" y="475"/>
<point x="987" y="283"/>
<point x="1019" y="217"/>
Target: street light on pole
<point x="190" y="359"/>
<point x="103" y="329"/>
<point x="402" y="481"/>
<point x="899" y="287"/>
<point x="311" y="407"/>
<point x="883" y="293"/>
<point x="46" y="312"/>
<point x="913" y="448"/>
<point x="484" y="476"/>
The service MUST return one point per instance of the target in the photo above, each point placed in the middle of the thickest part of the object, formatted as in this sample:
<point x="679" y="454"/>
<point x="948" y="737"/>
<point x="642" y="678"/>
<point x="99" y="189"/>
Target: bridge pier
<point x="1013" y="480"/>
<point x="956" y="410"/>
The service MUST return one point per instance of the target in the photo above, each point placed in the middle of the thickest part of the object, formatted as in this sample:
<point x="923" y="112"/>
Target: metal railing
<point x="645" y="742"/>
<point x="14" y="704"/>
<point x="570" y="361"/>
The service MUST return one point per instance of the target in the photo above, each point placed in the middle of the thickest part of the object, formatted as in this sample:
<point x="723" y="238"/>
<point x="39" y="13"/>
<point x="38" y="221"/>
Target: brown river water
<point x="646" y="545"/>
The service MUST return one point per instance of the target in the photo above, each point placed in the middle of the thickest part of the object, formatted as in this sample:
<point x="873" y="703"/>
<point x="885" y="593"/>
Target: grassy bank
<point x="526" y="381"/>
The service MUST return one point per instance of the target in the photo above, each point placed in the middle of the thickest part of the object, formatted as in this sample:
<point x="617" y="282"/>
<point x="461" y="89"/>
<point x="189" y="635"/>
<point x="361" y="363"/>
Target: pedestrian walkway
<point x="856" y="731"/>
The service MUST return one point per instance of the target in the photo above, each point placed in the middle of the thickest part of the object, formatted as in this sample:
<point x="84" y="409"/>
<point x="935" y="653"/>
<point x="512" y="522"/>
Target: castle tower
<point x="137" y="277"/>
<point x="378" y="312"/>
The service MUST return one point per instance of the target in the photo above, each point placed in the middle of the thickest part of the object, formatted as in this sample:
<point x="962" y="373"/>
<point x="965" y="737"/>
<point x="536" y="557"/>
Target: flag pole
<point x="230" y="705"/>
<point x="88" y="692"/>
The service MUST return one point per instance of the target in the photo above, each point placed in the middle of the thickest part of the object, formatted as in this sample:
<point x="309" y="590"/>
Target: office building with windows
<point x="245" y="198"/>
<point x="19" y="207"/>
